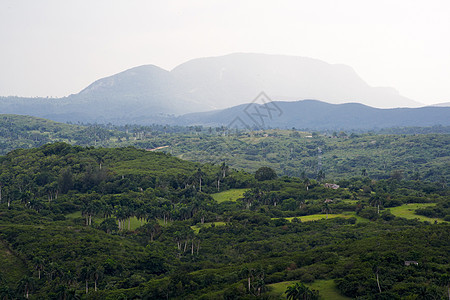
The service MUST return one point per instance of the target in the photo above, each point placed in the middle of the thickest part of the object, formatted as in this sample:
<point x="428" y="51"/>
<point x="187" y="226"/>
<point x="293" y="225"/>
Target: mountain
<point x="238" y="78"/>
<point x="132" y="96"/>
<point x="313" y="114"/>
<point x="444" y="104"/>
<point x="149" y="94"/>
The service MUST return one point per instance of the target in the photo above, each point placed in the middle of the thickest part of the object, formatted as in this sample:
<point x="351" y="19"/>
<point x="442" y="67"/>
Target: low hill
<point x="317" y="115"/>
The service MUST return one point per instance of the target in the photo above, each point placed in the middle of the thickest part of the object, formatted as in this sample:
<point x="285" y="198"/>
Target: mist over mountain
<point x="149" y="94"/>
<point x="238" y="78"/>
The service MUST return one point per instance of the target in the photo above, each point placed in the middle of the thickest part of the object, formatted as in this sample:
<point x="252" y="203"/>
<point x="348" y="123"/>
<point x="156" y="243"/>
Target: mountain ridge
<point x="319" y="115"/>
<point x="149" y="94"/>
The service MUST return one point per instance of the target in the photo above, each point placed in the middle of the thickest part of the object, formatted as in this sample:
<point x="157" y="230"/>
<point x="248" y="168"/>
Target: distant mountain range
<point x="317" y="115"/>
<point x="149" y="94"/>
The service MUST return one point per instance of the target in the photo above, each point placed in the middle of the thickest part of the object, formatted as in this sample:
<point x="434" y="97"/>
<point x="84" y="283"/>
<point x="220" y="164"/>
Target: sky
<point x="56" y="48"/>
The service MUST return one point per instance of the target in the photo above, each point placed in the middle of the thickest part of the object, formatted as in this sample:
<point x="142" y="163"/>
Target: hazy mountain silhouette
<point x="312" y="114"/>
<point x="238" y="78"/>
<point x="148" y="94"/>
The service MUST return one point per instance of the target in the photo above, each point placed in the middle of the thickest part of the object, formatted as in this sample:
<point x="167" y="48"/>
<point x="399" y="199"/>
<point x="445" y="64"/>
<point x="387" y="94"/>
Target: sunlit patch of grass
<point x="327" y="289"/>
<point x="197" y="227"/>
<point x="230" y="195"/>
<point x="408" y="211"/>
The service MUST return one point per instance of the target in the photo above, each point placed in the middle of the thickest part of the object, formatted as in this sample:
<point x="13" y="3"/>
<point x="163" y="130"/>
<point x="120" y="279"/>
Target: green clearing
<point x="309" y="218"/>
<point x="327" y="289"/>
<point x="408" y="211"/>
<point x="230" y="195"/>
<point x="12" y="268"/>
<point x="197" y="227"/>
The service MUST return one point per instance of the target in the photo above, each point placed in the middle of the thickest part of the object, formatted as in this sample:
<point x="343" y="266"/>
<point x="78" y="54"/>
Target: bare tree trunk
<point x="87" y="288"/>
<point x="192" y="248"/>
<point x="185" y="245"/>
<point x="378" y="283"/>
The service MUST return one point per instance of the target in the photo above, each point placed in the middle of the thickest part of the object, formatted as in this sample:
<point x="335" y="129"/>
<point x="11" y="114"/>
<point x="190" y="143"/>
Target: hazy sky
<point x="56" y="48"/>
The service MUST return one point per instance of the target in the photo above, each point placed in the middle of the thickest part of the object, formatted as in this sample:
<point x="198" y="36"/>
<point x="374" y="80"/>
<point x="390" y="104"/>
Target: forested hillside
<point x="123" y="223"/>
<point x="338" y="155"/>
<point x="422" y="156"/>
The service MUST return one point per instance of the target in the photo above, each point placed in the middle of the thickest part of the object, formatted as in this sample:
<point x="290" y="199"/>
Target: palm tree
<point x="26" y="284"/>
<point x="96" y="273"/>
<point x="326" y="208"/>
<point x="307" y="183"/>
<point x="85" y="275"/>
<point x="199" y="176"/>
<point x="376" y="201"/>
<point x="299" y="291"/>
<point x="38" y="265"/>
<point x="6" y="293"/>
<point x="224" y="168"/>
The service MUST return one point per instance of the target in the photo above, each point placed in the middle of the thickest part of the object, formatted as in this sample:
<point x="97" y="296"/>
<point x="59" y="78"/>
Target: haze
<point x="57" y="48"/>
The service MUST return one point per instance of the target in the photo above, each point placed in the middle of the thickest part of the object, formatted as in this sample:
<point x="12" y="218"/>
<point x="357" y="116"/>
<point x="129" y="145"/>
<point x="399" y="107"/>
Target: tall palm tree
<point x="376" y="201"/>
<point x="26" y="285"/>
<point x="224" y="168"/>
<point x="326" y="208"/>
<point x="38" y="265"/>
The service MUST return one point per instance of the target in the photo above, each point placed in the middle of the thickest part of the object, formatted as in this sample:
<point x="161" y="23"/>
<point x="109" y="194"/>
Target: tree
<point x="320" y="175"/>
<point x="224" y="168"/>
<point x="376" y="201"/>
<point x="26" y="285"/>
<point x="109" y="225"/>
<point x="96" y="273"/>
<point x="326" y="208"/>
<point x="199" y="176"/>
<point x="299" y="291"/>
<point x="307" y="182"/>
<point x="152" y="228"/>
<point x="265" y="173"/>
<point x="363" y="172"/>
<point x="38" y="265"/>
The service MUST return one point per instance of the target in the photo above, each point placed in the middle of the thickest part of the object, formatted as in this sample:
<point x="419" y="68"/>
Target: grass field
<point x="407" y="211"/>
<point x="327" y="289"/>
<point x="309" y="218"/>
<point x="12" y="269"/>
<point x="230" y="195"/>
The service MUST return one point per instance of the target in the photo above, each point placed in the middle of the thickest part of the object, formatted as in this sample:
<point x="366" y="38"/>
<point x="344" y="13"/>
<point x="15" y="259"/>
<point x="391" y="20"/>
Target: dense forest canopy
<point x="122" y="223"/>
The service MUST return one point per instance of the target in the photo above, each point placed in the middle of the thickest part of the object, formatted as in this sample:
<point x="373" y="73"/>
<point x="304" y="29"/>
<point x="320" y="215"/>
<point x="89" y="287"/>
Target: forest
<point x="413" y="152"/>
<point x="84" y="222"/>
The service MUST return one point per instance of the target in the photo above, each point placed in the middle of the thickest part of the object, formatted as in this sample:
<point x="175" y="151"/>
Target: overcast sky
<point x="56" y="48"/>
